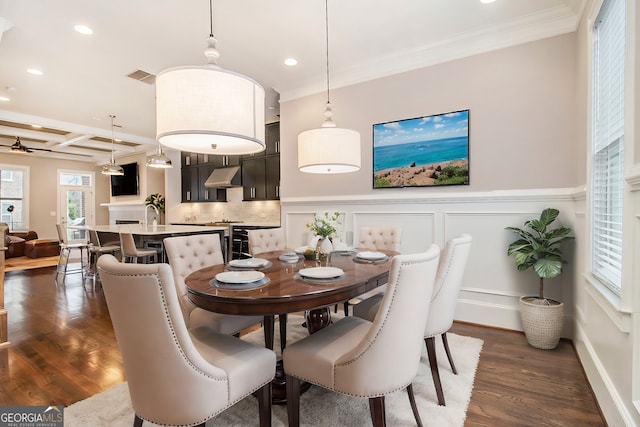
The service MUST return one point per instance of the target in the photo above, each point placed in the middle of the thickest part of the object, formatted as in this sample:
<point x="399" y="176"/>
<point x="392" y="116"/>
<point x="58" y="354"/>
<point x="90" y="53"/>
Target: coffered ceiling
<point x="85" y="78"/>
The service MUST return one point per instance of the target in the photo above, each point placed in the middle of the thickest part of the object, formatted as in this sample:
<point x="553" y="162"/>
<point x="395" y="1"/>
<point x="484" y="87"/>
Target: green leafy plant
<point x="324" y="225"/>
<point x="156" y="200"/>
<point x="538" y="246"/>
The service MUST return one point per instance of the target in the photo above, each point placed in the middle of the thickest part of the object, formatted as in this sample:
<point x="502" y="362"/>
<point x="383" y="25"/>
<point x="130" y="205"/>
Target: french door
<point x="76" y="203"/>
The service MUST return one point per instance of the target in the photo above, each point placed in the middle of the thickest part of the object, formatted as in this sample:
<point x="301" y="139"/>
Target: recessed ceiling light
<point x="36" y="126"/>
<point x="290" y="62"/>
<point x="4" y="98"/>
<point x="34" y="71"/>
<point x="83" y="29"/>
<point x="487" y="1"/>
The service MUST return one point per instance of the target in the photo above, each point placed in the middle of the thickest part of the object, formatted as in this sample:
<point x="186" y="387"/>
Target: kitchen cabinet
<point x="272" y="138"/>
<point x="261" y="172"/>
<point x="271" y="141"/>
<point x="189" y="177"/>
<point x="218" y="161"/>
<point x="272" y="177"/>
<point x="253" y="179"/>
<point x="193" y="189"/>
<point x="261" y="178"/>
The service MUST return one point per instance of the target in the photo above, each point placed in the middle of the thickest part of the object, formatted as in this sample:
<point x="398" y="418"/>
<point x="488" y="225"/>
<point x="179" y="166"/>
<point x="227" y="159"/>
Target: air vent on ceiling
<point x="143" y="76"/>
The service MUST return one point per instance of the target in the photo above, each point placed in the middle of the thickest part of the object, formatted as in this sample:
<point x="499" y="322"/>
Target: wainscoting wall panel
<point x="491" y="286"/>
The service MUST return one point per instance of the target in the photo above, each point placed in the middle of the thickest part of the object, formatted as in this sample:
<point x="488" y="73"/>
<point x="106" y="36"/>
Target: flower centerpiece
<point x="324" y="226"/>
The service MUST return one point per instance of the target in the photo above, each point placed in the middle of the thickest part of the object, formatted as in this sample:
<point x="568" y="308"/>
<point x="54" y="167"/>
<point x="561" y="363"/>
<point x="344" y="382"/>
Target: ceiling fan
<point x="18" y="147"/>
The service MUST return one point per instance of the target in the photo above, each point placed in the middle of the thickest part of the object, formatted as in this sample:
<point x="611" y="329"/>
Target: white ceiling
<point x="85" y="77"/>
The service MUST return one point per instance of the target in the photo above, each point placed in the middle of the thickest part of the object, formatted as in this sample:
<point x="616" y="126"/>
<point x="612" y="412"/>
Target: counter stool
<point x="131" y="253"/>
<point x="95" y="250"/>
<point x="65" y="254"/>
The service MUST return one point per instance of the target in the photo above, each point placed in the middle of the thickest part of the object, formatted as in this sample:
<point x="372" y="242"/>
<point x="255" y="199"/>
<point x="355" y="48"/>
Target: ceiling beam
<point x="10" y="116"/>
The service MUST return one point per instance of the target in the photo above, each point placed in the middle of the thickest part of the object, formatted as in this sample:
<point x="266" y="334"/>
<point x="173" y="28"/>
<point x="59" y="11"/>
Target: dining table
<point x="287" y="285"/>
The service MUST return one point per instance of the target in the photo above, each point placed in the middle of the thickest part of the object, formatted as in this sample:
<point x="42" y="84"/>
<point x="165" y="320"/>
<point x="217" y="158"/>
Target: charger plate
<point x="239" y="277"/>
<point x="371" y="256"/>
<point x="235" y="267"/>
<point x="248" y="262"/>
<point x="321" y="272"/>
<point x="326" y="281"/>
<point x="241" y="286"/>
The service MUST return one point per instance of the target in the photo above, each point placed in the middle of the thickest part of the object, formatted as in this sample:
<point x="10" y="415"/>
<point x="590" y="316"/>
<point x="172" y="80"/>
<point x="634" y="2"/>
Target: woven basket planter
<point x="542" y="323"/>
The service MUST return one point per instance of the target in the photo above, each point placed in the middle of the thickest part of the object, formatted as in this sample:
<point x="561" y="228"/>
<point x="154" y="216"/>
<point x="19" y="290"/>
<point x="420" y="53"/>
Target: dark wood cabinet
<point x="272" y="138"/>
<point x="218" y="161"/>
<point x="193" y="179"/>
<point x="189" y="184"/>
<point x="272" y="177"/>
<point x="253" y="179"/>
<point x="260" y="172"/>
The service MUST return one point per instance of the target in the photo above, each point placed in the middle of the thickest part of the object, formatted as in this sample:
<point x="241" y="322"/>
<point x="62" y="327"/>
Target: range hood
<point x="224" y="178"/>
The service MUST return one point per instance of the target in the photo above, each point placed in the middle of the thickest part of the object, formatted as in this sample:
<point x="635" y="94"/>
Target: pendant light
<point x="328" y="149"/>
<point x="207" y="109"/>
<point x="159" y="160"/>
<point x="112" y="168"/>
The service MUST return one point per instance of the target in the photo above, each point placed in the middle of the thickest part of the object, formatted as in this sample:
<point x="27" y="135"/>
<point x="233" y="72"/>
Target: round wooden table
<point x="286" y="292"/>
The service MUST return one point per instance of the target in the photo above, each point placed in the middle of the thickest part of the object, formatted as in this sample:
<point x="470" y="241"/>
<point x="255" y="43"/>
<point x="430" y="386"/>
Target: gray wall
<point x="522" y="119"/>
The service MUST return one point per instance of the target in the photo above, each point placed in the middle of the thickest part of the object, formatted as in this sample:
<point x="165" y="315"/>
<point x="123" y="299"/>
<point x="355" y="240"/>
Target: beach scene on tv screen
<point x="424" y="151"/>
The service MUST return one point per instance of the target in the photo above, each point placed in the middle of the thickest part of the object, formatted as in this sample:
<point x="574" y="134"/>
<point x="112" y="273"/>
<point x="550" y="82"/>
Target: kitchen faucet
<point x="156" y="211"/>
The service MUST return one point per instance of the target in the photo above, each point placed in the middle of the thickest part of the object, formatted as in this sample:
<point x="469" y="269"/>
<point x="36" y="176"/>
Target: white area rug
<point x="320" y="407"/>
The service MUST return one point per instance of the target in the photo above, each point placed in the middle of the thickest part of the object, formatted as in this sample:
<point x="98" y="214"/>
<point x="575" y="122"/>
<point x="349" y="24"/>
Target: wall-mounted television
<point x="127" y="184"/>
<point x="422" y="152"/>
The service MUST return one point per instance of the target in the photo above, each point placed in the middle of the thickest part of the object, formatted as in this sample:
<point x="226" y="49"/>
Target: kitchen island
<point x="151" y="236"/>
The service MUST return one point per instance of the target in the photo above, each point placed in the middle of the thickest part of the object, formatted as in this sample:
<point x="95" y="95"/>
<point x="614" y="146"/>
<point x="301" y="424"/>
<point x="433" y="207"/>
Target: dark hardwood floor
<point x="63" y="350"/>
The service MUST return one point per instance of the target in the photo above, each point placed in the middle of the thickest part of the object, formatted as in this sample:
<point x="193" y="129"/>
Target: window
<point x="14" y="193"/>
<point x="607" y="155"/>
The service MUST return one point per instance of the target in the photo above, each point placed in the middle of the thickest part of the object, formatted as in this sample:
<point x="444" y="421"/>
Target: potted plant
<point x="538" y="248"/>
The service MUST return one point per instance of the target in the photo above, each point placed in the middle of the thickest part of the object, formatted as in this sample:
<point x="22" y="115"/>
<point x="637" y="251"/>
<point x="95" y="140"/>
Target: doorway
<point x="76" y="202"/>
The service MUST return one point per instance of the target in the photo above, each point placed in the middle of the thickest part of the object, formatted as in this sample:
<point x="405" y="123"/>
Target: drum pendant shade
<point x="329" y="150"/>
<point x="206" y="109"/>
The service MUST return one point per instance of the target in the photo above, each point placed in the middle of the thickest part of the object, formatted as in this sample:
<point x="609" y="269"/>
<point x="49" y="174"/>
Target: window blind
<point x="608" y="144"/>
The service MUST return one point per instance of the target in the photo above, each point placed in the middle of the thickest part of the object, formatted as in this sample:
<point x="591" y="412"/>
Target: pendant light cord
<point x="210" y="18"/>
<point x="326" y="23"/>
<point x="112" y="138"/>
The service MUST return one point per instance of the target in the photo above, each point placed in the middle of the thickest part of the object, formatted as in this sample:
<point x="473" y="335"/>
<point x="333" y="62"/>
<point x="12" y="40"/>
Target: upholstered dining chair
<point x="376" y="239"/>
<point x="266" y="240"/>
<point x="380" y="238"/>
<point x="130" y="252"/>
<point x="360" y="358"/>
<point x="65" y="254"/>
<point x="187" y="254"/>
<point x="178" y="376"/>
<point x="453" y="262"/>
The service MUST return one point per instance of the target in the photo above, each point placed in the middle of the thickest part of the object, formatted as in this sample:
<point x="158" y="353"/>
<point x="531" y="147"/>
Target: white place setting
<point x="238" y="280"/>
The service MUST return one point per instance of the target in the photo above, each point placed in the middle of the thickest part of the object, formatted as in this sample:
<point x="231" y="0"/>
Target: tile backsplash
<point x="234" y="209"/>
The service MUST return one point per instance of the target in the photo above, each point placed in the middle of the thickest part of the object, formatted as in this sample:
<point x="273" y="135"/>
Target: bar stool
<point x="95" y="250"/>
<point x="65" y="254"/>
<point x="131" y="253"/>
